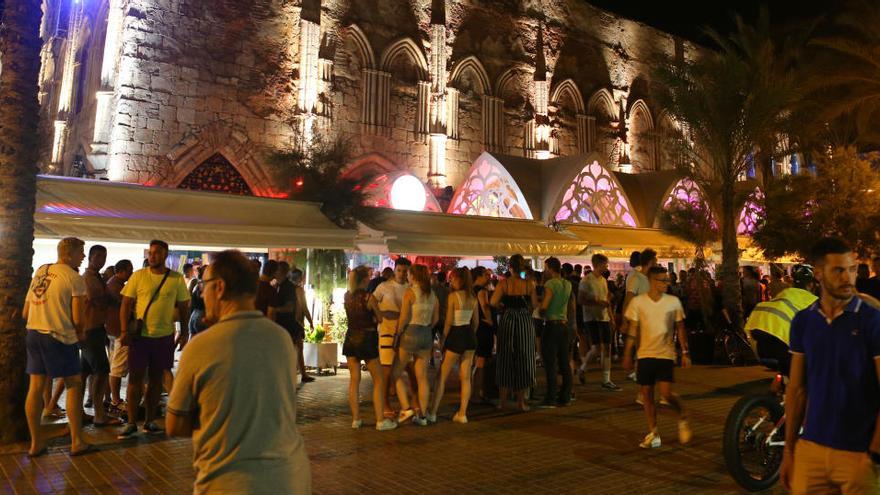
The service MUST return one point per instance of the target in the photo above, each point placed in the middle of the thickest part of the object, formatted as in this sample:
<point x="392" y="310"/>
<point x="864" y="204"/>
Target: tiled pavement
<point x="590" y="448"/>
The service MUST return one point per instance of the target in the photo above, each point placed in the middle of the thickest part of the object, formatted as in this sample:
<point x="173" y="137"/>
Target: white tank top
<point x="422" y="307"/>
<point x="464" y="314"/>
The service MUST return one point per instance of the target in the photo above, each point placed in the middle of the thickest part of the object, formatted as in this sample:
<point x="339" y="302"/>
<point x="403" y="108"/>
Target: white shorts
<point x="118" y="359"/>
<point x="387" y="329"/>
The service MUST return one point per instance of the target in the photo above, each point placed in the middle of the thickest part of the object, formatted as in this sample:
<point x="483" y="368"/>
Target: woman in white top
<point x="459" y="341"/>
<point x="419" y="312"/>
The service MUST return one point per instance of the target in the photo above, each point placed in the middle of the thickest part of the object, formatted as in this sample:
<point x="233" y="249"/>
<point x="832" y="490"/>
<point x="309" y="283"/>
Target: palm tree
<point x="728" y="102"/>
<point x="19" y="114"/>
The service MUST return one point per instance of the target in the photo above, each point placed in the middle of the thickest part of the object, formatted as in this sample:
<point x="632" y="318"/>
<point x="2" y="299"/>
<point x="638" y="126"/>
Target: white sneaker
<point x="664" y="402"/>
<point x="432" y="418"/>
<point x="459" y="418"/>
<point x="420" y="420"/>
<point x="684" y="432"/>
<point x="632" y="376"/>
<point x="356" y="424"/>
<point x="651" y="441"/>
<point x="639" y="400"/>
<point x="386" y="424"/>
<point x="405" y="415"/>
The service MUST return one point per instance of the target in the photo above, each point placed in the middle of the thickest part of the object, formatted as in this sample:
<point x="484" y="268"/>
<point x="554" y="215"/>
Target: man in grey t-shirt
<point x="235" y="392"/>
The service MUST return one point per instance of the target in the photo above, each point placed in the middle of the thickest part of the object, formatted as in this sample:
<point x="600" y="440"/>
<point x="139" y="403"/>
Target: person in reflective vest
<point x="769" y="323"/>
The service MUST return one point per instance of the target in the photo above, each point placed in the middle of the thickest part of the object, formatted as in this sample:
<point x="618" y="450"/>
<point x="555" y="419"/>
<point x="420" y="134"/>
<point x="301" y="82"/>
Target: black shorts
<point x="650" y="371"/>
<point x="600" y="332"/>
<point x="93" y="358"/>
<point x="485" y="340"/>
<point x="361" y="344"/>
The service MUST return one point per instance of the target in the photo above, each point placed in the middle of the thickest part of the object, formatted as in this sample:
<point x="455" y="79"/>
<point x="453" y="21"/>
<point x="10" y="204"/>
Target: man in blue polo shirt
<point x="834" y="392"/>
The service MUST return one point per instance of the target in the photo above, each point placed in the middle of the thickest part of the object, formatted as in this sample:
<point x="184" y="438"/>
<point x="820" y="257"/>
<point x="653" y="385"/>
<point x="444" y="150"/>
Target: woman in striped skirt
<point x="515" y="360"/>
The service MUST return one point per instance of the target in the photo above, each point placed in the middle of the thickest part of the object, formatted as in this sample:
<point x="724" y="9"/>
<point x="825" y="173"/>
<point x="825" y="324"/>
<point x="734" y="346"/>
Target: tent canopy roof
<point x="113" y="211"/>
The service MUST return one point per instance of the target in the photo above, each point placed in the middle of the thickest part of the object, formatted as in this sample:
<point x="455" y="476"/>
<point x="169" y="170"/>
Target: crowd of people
<point x="498" y="329"/>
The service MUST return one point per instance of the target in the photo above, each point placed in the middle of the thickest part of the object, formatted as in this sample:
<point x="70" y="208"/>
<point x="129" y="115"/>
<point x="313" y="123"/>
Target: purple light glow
<point x="594" y="197"/>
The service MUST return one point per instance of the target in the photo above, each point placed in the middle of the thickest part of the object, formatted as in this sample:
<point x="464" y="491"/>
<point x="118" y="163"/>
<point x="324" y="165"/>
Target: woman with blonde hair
<point x="459" y="341"/>
<point x="419" y="312"/>
<point x="362" y="344"/>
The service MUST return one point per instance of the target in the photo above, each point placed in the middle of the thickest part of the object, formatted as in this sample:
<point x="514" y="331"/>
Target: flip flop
<point x="109" y="422"/>
<point x="38" y="453"/>
<point x="88" y="448"/>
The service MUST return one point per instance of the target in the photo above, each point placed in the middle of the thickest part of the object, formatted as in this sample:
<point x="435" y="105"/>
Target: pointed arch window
<point x="752" y="211"/>
<point x="216" y="174"/>
<point x="490" y="191"/>
<point x="595" y="197"/>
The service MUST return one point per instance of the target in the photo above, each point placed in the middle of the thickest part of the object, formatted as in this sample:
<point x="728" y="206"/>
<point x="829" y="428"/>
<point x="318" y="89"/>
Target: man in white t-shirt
<point x="594" y="297"/>
<point x="389" y="296"/>
<point x="653" y="319"/>
<point x="637" y="284"/>
<point x="235" y="392"/>
<point x="54" y="311"/>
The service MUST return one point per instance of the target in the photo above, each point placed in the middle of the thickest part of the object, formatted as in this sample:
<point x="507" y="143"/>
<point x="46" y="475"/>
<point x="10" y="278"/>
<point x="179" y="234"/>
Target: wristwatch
<point x="875" y="457"/>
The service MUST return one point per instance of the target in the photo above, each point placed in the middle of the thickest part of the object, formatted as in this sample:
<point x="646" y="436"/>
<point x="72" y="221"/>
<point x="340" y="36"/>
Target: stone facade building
<point x="196" y="93"/>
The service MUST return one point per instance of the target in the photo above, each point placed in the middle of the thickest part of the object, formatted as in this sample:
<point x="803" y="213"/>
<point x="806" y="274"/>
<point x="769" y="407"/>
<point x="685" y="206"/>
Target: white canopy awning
<point x="438" y="234"/>
<point x="601" y="238"/>
<point x="120" y="212"/>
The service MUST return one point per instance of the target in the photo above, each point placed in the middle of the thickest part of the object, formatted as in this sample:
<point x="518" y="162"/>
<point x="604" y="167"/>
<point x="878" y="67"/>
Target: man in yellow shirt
<point x="153" y="292"/>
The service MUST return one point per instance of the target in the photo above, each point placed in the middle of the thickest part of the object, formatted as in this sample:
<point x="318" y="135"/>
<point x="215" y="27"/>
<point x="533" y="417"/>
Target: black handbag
<point x="141" y="324"/>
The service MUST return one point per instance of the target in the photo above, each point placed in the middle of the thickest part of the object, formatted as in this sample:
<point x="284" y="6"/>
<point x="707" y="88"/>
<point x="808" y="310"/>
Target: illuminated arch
<point x="602" y="103"/>
<point x="594" y="196"/>
<point x="378" y="191"/>
<point x="568" y="87"/>
<point x="365" y="49"/>
<point x="752" y="211"/>
<point x="369" y="165"/>
<point x="473" y="64"/>
<point x="408" y="48"/>
<point x="505" y="79"/>
<point x="640" y="136"/>
<point x="685" y="190"/>
<point x="490" y="191"/>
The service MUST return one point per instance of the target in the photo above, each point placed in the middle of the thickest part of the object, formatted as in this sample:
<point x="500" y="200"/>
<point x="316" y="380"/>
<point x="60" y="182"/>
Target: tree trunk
<point x="731" y="292"/>
<point x="19" y="114"/>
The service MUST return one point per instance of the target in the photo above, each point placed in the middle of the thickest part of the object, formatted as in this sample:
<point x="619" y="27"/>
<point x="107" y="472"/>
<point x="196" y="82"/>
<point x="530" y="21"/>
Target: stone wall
<point x="192" y="70"/>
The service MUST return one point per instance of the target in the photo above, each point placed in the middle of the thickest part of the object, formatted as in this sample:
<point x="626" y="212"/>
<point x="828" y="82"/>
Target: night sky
<point x="686" y="17"/>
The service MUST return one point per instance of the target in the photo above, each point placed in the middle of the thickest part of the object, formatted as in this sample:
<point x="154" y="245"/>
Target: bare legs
<point x="354" y="368"/>
<point x="420" y="369"/>
<point x="449" y="360"/>
<point x="34" y="407"/>
<point x="666" y="393"/>
<point x="478" y="378"/>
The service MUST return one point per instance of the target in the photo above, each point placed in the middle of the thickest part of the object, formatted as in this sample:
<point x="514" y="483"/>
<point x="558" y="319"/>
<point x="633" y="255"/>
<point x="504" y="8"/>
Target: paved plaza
<point x="590" y="447"/>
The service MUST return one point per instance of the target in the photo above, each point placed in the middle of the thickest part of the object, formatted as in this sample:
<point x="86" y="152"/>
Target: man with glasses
<point x="652" y="320"/>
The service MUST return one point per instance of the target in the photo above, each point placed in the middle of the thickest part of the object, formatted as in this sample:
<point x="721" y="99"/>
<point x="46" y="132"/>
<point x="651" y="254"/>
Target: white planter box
<point x="322" y="355"/>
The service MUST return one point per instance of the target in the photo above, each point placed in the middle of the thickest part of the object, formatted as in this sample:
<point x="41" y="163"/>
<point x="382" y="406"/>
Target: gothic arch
<point x="593" y="195"/>
<point x="505" y="79"/>
<point x="407" y="47"/>
<point x="602" y="104"/>
<point x="365" y="49"/>
<point x="490" y="191"/>
<point x="473" y="64"/>
<point x="684" y="190"/>
<point x="369" y="164"/>
<point x="219" y="138"/>
<point x="640" y="110"/>
<point x="568" y="87"/>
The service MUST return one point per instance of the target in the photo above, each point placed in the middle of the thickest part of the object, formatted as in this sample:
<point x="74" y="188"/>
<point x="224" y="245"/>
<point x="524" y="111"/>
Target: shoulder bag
<point x="141" y="324"/>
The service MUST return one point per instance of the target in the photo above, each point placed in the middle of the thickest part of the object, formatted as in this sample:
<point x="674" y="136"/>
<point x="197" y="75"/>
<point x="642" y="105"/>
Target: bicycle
<point x="736" y="346"/>
<point x="754" y="437"/>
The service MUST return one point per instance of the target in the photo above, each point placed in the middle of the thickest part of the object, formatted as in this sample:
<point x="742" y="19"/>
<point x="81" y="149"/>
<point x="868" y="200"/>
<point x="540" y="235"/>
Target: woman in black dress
<point x="515" y="369"/>
<point x="362" y="344"/>
<point x="485" y="330"/>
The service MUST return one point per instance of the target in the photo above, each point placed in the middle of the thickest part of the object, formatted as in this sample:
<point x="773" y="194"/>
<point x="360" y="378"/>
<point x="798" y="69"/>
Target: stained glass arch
<point x="752" y="211"/>
<point x="594" y="196"/>
<point x="216" y="174"/>
<point x="685" y="190"/>
<point x="490" y="191"/>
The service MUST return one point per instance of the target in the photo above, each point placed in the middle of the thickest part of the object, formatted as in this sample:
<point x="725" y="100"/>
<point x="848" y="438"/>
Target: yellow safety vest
<point x="774" y="316"/>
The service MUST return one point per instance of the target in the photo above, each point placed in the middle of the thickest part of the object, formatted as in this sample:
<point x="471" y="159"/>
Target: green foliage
<point x="315" y="336"/>
<point x="339" y="322"/>
<point x="316" y="174"/>
<point x="843" y="199"/>
<point x="327" y="268"/>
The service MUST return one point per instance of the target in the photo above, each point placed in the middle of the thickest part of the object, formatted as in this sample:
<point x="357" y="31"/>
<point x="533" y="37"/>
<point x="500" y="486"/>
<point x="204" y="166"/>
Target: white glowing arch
<point x="594" y="196"/>
<point x="378" y="191"/>
<point x="685" y="190"/>
<point x="490" y="191"/>
<point x="752" y="211"/>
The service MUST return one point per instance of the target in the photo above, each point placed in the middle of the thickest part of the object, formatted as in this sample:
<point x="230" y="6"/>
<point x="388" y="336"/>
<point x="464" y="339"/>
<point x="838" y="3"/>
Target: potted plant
<point x="317" y="353"/>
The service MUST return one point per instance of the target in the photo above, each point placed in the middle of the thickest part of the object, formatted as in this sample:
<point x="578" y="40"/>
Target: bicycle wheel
<point x="751" y="461"/>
